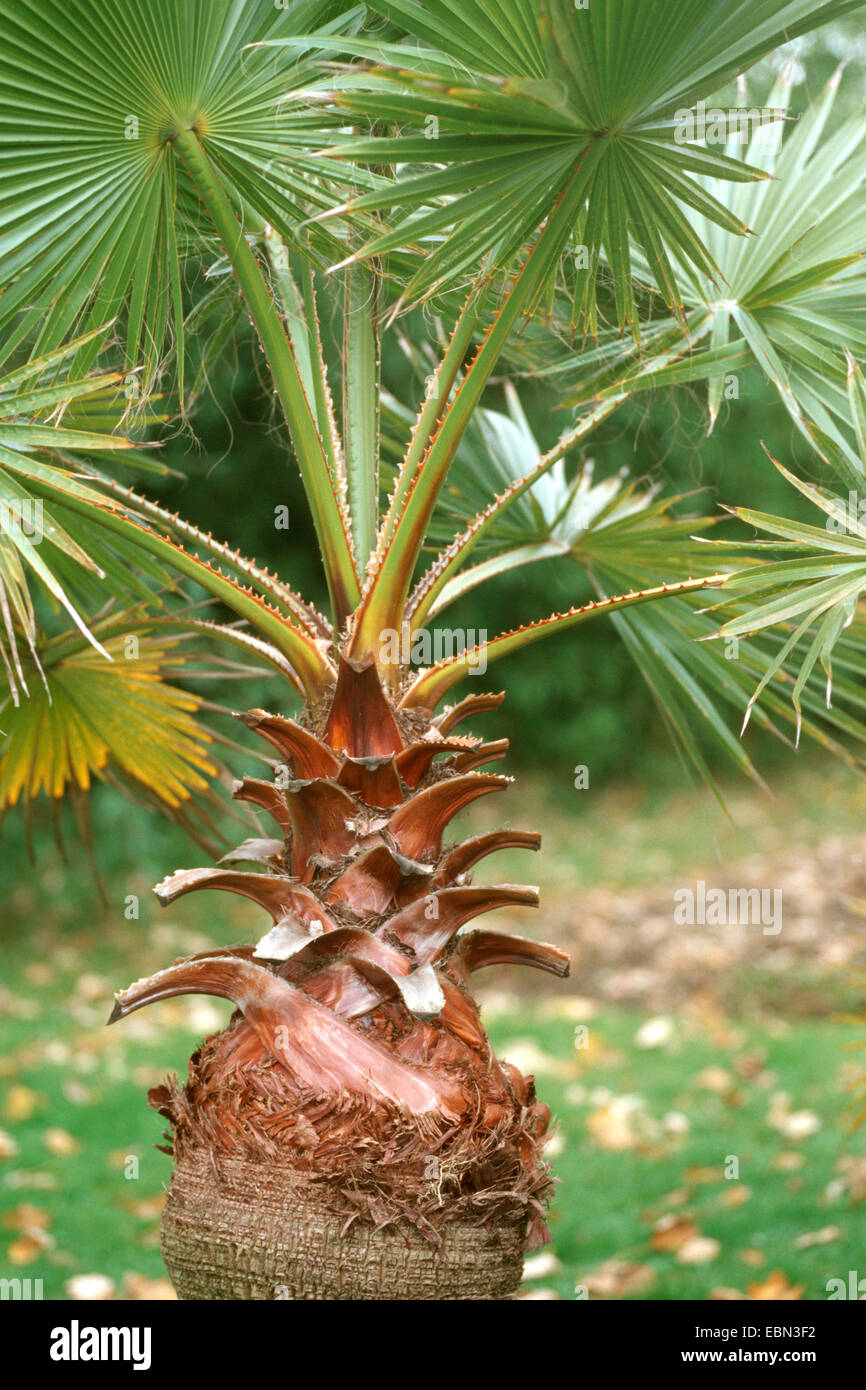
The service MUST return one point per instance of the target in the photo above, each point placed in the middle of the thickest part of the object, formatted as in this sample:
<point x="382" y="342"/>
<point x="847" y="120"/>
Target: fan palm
<point x="350" y="1133"/>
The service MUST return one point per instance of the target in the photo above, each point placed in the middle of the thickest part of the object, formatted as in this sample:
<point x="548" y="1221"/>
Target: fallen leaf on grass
<point x="673" y="1232"/>
<point x="676" y="1123"/>
<point x="146" y="1208"/>
<point x="18" y="1007"/>
<point x="825" y="1236"/>
<point x="577" y="1008"/>
<point x="541" y="1266"/>
<point x="528" y="1057"/>
<point x="775" y="1287"/>
<point x="852" y="1168"/>
<point x="721" y="1083"/>
<point x="793" y="1125"/>
<point x="704" y="1008"/>
<point x="139" y="1288"/>
<point x="25" y="1217"/>
<point x="576" y="1095"/>
<point x="678" y="1198"/>
<point x="622" y="1124"/>
<point x="203" y="1017"/>
<point x="699" y="1251"/>
<point x="788" y="1161"/>
<point x="736" y="1196"/>
<point x="619" y="1278"/>
<point x="716" y="1079"/>
<point x="93" y="988"/>
<point x="750" y="1065"/>
<point x="40" y="973"/>
<point x="703" y="1173"/>
<point x="656" y="1032"/>
<point x="27" y="1248"/>
<point x="8" y="1146"/>
<point x="20" y="1179"/>
<point x="799" y="1125"/>
<point x="77" y="1093"/>
<point x="118" y="1158"/>
<point x="60" y="1143"/>
<point x="21" y="1102"/>
<point x="555" y="1145"/>
<point x="90" y="1288"/>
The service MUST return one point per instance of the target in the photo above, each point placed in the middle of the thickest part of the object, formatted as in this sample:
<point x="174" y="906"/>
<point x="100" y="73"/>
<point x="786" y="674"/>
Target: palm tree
<point x="526" y="167"/>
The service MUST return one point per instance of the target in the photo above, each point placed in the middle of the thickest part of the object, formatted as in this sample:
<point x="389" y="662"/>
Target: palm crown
<point x="525" y="166"/>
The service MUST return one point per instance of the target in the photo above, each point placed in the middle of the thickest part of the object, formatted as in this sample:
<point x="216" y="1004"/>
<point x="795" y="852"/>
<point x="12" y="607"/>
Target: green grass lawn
<point x="63" y="1073"/>
<point x="683" y="1135"/>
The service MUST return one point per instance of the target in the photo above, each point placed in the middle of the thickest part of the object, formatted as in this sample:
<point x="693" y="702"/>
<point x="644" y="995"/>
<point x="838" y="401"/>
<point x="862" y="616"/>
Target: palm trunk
<point x="351" y="1133"/>
<point x="258" y="1230"/>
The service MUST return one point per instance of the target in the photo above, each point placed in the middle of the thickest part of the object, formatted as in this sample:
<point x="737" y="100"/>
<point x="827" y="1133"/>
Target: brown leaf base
<point x="279" y="1193"/>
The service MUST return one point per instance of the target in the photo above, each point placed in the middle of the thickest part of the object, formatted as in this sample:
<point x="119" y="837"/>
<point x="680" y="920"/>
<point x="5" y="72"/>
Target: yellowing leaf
<point x="98" y="714"/>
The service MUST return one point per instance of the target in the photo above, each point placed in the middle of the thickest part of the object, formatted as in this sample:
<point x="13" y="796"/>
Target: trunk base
<point x="252" y="1230"/>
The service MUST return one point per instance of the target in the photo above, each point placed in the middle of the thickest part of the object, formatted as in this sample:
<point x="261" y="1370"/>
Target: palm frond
<point x="494" y="143"/>
<point x="86" y="715"/>
<point x="791" y="294"/>
<point x="97" y="215"/>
